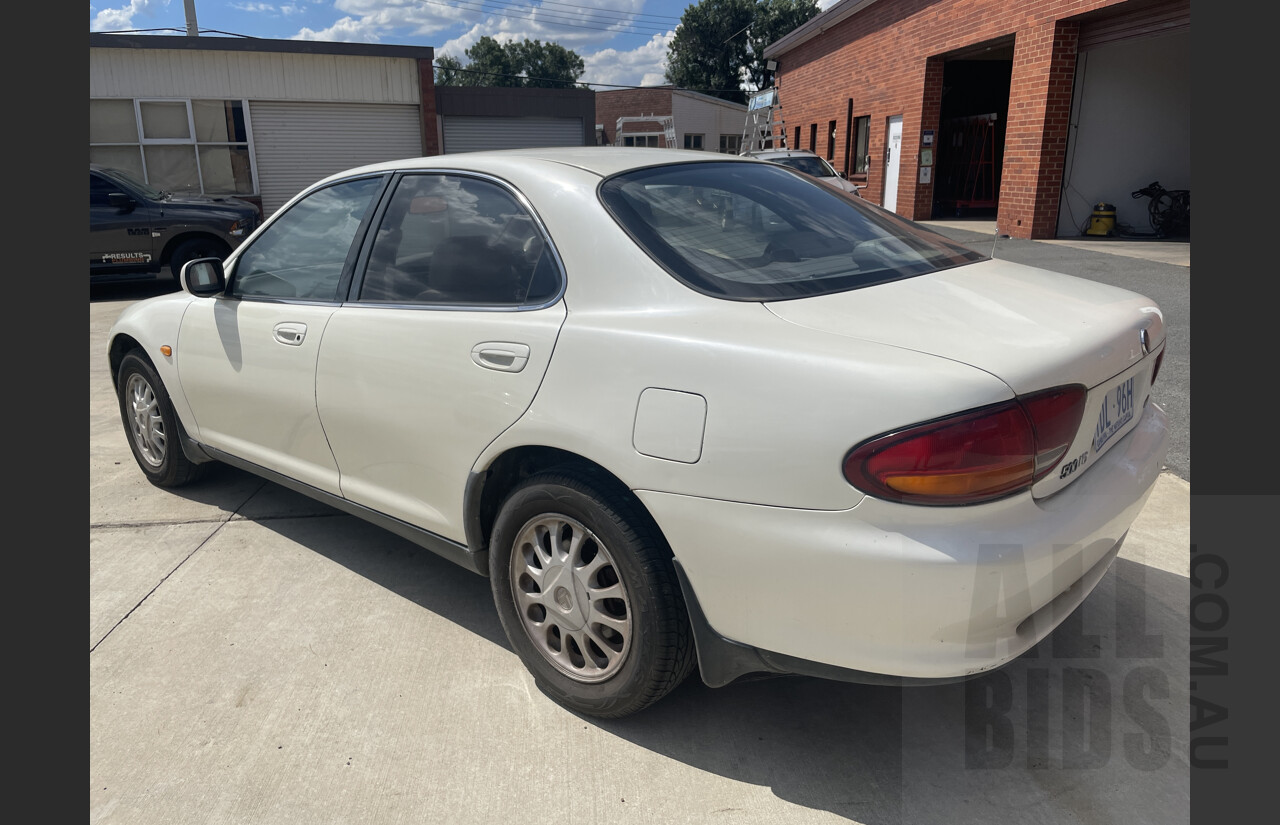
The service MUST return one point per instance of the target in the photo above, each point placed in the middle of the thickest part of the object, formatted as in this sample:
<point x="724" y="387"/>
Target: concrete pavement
<point x="256" y="657"/>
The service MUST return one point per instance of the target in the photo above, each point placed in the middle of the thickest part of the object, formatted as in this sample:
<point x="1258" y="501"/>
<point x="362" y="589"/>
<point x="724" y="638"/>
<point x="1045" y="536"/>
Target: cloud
<point x="253" y="7"/>
<point x="643" y="66"/>
<point x="122" y="18"/>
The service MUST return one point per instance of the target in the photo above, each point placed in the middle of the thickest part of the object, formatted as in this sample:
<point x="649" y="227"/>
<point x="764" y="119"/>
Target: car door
<point x="453" y="321"/>
<point x="247" y="359"/>
<point x="120" y="224"/>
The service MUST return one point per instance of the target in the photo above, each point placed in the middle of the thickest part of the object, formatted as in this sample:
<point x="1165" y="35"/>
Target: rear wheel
<point x="152" y="425"/>
<point x="193" y="248"/>
<point x="588" y="597"/>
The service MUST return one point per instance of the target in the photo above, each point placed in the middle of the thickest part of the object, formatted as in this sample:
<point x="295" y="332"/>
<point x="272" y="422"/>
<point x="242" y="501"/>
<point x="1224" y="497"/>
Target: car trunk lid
<point x="1031" y="328"/>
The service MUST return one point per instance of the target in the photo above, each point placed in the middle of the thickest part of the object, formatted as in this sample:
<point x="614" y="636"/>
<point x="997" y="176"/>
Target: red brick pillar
<point x="427" y="109"/>
<point x="930" y="119"/>
<point x="1044" y="65"/>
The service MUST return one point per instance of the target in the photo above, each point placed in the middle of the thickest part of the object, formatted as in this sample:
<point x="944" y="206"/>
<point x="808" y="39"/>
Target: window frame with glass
<point x="137" y="135"/>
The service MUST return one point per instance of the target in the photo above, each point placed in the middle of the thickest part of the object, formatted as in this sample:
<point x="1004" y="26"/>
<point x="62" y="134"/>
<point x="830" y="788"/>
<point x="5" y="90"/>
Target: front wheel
<point x="587" y="594"/>
<point x="151" y="424"/>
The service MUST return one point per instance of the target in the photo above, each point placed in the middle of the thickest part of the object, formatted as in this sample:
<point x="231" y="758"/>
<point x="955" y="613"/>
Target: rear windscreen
<point x="761" y="232"/>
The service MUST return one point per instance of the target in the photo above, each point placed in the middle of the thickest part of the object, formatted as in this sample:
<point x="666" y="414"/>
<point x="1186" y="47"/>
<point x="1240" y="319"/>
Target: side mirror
<point x="121" y="201"/>
<point x="203" y="277"/>
<point x="843" y="175"/>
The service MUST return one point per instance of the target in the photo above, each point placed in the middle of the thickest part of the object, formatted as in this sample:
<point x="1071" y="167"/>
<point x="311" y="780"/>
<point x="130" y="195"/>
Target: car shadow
<point x="1090" y="723"/>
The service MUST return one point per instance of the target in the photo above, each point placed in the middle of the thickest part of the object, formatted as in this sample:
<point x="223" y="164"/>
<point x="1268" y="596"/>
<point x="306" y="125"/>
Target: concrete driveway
<point x="259" y="658"/>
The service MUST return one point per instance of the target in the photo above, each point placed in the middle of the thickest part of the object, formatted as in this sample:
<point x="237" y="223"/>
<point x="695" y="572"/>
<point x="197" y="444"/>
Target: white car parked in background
<point x="802" y="160"/>
<point x="684" y="412"/>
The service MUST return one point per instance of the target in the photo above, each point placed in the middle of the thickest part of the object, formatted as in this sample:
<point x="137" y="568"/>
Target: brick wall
<point x="618" y="103"/>
<point x="889" y="59"/>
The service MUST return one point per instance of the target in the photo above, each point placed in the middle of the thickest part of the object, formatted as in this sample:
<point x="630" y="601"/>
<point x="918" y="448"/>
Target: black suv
<point x="135" y="231"/>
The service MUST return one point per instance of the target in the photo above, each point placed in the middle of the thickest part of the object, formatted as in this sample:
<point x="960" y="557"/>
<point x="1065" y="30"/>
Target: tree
<point x="774" y="20"/>
<point x="720" y="43"/>
<point x="548" y="65"/>
<point x="523" y="64"/>
<point x="449" y="72"/>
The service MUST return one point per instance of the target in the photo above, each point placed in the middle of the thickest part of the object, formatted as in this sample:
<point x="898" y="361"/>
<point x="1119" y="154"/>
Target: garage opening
<point x="971" y="134"/>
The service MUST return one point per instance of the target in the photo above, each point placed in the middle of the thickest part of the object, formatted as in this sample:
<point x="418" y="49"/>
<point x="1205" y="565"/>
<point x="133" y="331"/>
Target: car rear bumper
<point x="887" y="592"/>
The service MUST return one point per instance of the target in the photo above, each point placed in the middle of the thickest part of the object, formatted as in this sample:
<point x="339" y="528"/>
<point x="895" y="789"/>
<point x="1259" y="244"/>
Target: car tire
<point x="193" y="248"/>
<point x="587" y="593"/>
<point x="151" y="425"/>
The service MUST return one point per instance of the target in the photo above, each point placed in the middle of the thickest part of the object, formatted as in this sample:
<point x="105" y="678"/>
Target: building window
<point x="197" y="146"/>
<point x="796" y="145"/>
<point x="831" y="140"/>
<point x="731" y="144"/>
<point x="693" y="142"/>
<point x="861" y="129"/>
<point x="813" y="138"/>
<point x="642" y="140"/>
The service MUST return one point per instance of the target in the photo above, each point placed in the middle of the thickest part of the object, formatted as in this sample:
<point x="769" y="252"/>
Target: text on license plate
<point x="1117" y="411"/>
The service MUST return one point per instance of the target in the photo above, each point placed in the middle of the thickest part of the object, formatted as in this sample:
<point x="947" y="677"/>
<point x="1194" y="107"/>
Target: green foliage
<point x="523" y="64"/>
<point x="720" y="43"/>
<point x="449" y="72"/>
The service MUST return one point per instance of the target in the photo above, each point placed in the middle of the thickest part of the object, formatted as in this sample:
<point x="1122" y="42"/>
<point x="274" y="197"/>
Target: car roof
<point x="783" y="153"/>
<point x="599" y="160"/>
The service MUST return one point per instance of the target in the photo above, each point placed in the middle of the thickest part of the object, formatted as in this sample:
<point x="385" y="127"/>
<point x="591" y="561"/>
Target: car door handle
<point x="501" y="355"/>
<point x="290" y="333"/>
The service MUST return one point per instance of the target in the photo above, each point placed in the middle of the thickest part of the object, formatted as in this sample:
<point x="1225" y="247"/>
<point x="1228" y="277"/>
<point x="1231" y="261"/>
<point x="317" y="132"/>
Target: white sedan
<point x="684" y="412"/>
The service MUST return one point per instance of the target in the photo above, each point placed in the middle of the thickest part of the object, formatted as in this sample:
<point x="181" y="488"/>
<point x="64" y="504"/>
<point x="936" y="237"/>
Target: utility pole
<point x="190" y="7"/>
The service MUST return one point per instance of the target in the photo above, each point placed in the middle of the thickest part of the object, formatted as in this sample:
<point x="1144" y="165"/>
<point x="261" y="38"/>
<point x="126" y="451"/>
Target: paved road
<point x="256" y="657"/>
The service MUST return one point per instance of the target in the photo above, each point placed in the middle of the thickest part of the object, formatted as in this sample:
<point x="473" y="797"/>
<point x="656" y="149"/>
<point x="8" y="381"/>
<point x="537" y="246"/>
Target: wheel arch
<point x="487" y="488"/>
<point x="176" y="241"/>
<point x="121" y="345"/>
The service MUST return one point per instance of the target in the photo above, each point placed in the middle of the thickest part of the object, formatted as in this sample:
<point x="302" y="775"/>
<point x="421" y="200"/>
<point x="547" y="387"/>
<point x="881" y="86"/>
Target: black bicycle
<point x="1169" y="210"/>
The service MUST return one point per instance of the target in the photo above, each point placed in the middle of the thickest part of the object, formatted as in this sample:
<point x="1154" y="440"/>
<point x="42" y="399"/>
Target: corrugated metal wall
<point x="474" y="134"/>
<point x="253" y="75"/>
<point x="297" y="144"/>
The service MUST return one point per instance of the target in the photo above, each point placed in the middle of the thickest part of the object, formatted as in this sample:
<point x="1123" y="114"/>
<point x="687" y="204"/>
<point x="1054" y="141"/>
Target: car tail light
<point x="972" y="456"/>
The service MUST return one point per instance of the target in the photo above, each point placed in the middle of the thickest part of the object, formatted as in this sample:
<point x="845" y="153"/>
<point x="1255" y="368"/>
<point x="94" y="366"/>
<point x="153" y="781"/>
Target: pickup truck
<point x="136" y="231"/>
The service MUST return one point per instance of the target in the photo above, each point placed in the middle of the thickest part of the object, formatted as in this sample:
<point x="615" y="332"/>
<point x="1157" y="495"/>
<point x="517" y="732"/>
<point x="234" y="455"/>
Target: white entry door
<point x="892" y="157"/>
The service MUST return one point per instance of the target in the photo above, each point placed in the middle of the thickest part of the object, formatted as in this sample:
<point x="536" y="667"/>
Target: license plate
<point x="1116" y="412"/>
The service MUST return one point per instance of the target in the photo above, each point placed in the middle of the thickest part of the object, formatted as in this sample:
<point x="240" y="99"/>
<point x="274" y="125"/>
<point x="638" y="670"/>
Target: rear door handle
<point x="290" y="333"/>
<point x="503" y="356"/>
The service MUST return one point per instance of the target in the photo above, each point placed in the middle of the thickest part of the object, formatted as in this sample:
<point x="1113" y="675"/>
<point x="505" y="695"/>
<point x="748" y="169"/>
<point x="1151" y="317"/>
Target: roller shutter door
<point x="297" y="144"/>
<point x="474" y="134"/>
<point x="1146" y="21"/>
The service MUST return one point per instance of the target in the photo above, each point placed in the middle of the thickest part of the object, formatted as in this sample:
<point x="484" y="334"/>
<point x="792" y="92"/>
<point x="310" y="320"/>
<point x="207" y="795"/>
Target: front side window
<point x="761" y="232"/>
<point x="101" y="189"/>
<point x="303" y="253"/>
<point x="457" y="240"/>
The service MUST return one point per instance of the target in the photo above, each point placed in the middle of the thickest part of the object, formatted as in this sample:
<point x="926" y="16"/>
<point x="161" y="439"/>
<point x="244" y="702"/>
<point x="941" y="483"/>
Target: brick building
<point x="1029" y="110"/>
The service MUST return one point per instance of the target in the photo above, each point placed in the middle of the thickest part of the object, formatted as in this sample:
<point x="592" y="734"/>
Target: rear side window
<point x="761" y="232"/>
<point x="457" y="240"/>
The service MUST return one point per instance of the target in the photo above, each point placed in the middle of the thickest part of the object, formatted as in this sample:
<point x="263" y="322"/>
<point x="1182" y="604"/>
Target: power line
<point x="551" y="18"/>
<point x="601" y="11"/>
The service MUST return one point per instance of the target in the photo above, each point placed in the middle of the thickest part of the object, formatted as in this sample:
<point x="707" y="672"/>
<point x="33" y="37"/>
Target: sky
<point x="622" y="42"/>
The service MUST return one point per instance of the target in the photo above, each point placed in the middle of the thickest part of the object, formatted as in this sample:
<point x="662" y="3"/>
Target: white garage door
<point x="474" y="134"/>
<point x="297" y="144"/>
